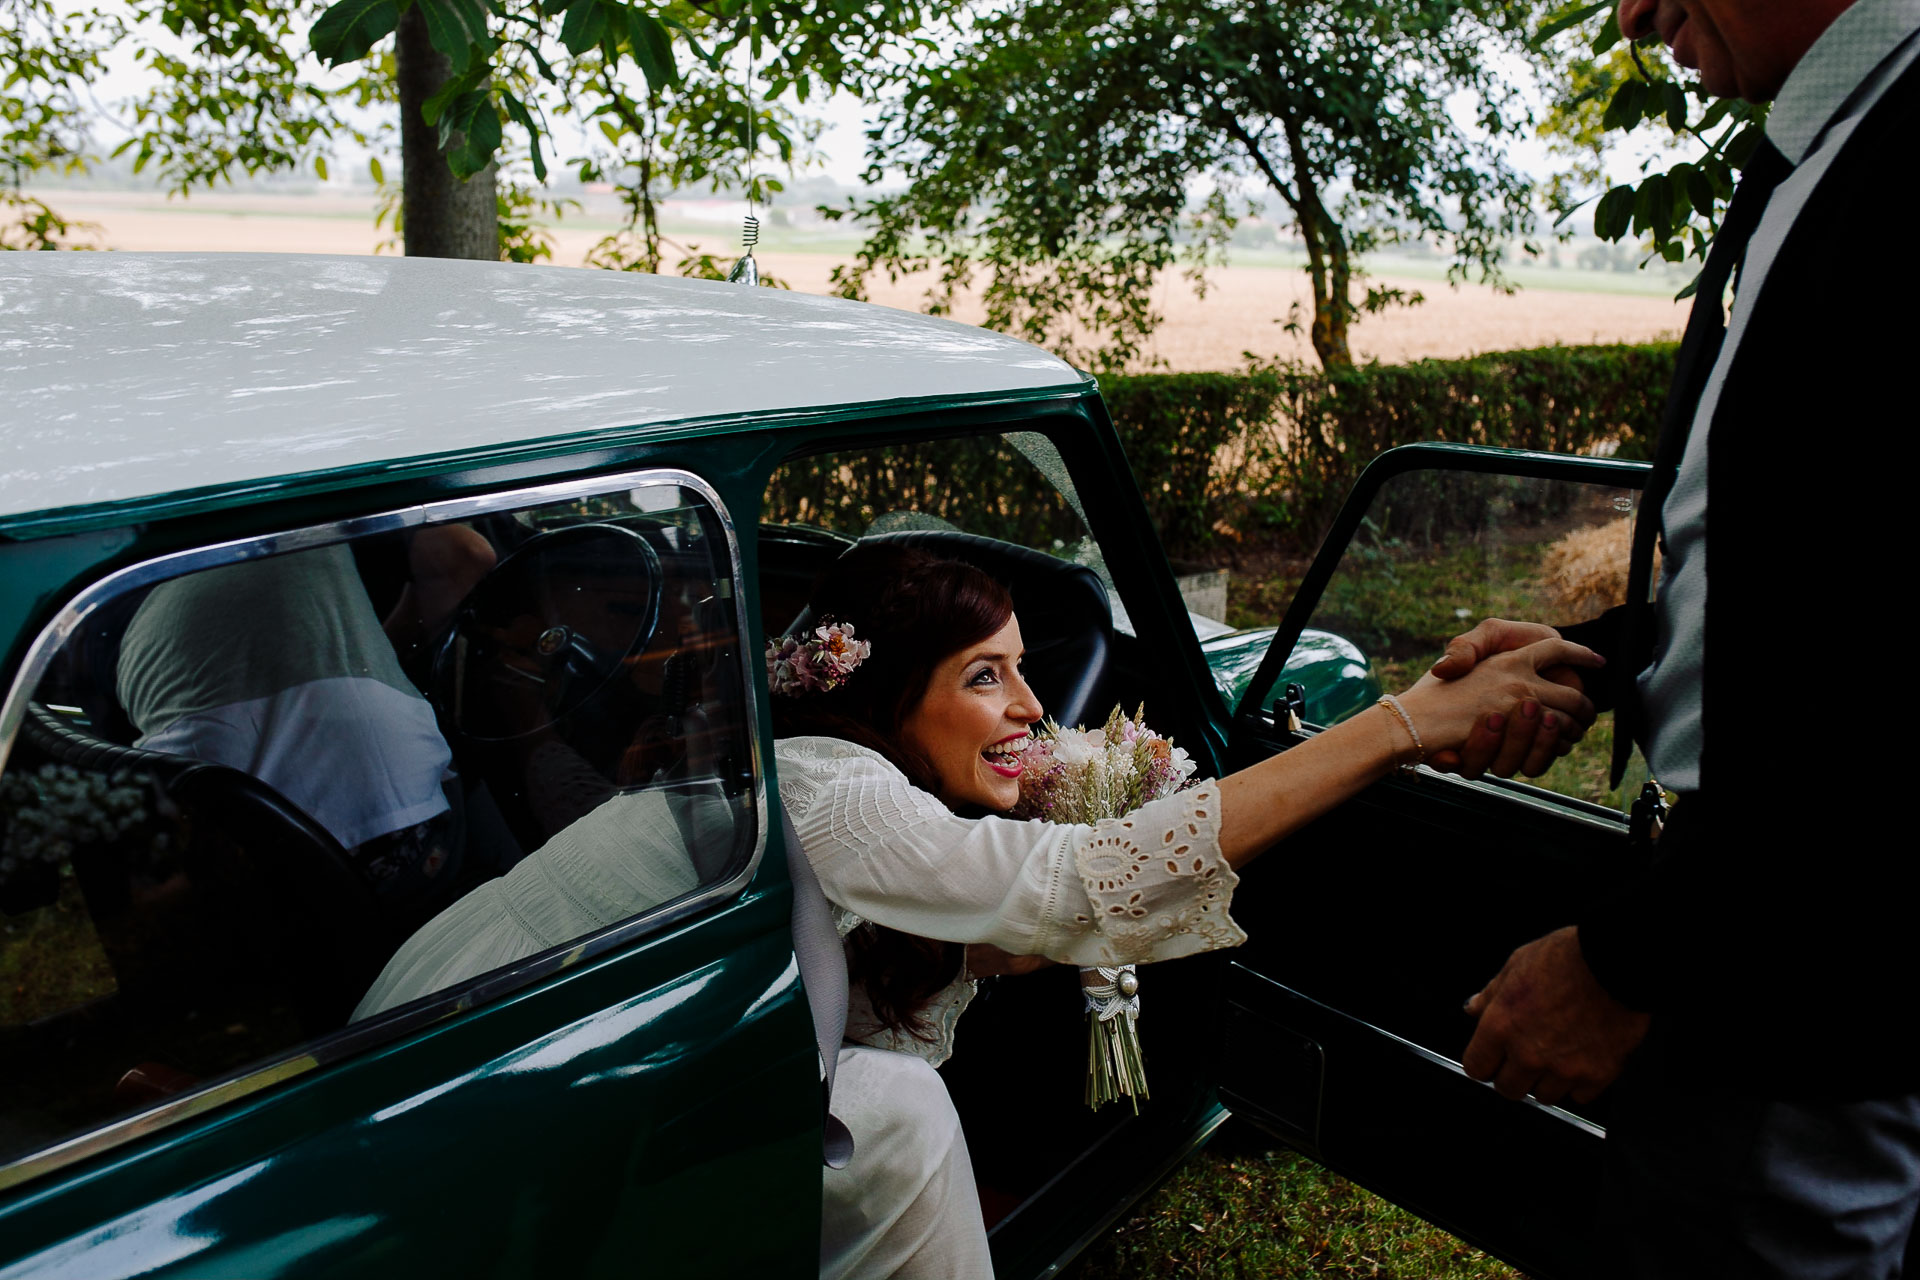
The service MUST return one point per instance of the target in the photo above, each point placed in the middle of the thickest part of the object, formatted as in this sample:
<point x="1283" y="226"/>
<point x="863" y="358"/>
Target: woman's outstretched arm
<point x="1261" y="805"/>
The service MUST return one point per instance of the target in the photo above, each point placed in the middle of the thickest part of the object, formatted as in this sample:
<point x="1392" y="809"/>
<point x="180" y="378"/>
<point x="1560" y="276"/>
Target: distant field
<point x="1241" y="312"/>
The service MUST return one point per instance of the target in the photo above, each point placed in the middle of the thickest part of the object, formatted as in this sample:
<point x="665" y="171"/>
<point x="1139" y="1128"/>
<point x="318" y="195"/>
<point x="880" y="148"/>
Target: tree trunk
<point x="441" y="216"/>
<point x="1328" y="267"/>
<point x="1331" y="311"/>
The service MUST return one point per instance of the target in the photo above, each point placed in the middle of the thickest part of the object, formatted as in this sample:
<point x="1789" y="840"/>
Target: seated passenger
<point x="625" y="856"/>
<point x="279" y="668"/>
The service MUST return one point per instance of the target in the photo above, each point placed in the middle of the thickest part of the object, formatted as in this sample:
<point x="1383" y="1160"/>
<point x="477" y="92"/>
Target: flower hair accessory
<point x="814" y="661"/>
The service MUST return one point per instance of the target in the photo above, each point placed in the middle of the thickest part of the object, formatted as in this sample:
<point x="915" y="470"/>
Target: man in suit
<point x="1754" y="990"/>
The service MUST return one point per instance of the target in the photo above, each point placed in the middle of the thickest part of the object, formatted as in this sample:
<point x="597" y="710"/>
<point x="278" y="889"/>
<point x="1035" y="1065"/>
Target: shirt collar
<point x="1840" y="61"/>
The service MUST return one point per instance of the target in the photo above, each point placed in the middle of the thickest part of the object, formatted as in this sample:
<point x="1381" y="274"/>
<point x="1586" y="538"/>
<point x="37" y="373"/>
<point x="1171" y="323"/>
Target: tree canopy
<point x="1073" y="150"/>
<point x="478" y="84"/>
<point x="1606" y="90"/>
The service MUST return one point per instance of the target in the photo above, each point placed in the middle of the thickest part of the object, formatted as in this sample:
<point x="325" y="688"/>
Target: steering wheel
<point x="546" y="629"/>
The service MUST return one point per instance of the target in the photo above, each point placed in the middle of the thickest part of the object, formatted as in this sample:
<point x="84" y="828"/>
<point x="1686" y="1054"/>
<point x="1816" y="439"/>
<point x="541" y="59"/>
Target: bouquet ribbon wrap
<point x="1115" y="1069"/>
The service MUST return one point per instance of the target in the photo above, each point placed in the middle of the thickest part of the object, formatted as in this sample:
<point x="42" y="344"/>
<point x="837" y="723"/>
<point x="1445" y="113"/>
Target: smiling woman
<point x="972" y="723"/>
<point x="896" y="776"/>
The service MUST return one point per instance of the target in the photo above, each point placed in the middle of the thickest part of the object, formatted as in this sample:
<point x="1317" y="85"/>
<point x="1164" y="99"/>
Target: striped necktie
<point x="1699" y="350"/>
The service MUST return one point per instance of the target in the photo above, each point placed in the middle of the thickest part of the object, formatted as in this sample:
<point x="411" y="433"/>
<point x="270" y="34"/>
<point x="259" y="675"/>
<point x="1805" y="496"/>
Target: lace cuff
<point x="1157" y="885"/>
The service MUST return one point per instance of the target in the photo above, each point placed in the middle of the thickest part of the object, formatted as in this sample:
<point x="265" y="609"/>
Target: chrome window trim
<point x="1586" y="812"/>
<point x="385" y="1028"/>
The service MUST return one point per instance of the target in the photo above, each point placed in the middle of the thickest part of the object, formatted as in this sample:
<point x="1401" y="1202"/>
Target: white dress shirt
<point x="1832" y="88"/>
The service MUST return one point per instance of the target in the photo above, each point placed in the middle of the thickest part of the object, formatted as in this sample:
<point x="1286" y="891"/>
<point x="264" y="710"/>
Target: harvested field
<point x="1237" y="315"/>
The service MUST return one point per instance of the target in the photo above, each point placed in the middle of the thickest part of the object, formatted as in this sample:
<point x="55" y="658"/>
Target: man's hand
<point x="1527" y="742"/>
<point x="1547" y="1026"/>
<point x="1491" y="636"/>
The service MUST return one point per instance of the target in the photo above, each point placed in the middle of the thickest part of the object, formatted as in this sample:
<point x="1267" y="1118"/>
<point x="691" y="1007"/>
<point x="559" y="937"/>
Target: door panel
<point x="618" y="1119"/>
<point x="1344" y="1025"/>
<point x="463" y="961"/>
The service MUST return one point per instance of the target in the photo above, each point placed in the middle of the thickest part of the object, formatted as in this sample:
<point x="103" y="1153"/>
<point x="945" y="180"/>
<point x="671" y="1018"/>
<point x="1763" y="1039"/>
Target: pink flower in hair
<point x="815" y="663"/>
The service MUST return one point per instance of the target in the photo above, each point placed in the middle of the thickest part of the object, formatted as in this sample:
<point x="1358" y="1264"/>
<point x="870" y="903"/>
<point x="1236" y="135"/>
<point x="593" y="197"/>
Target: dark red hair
<point x="916" y="609"/>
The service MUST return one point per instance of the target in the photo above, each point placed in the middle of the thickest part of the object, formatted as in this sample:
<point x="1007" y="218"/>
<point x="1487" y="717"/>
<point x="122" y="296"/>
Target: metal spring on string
<point x="750" y="232"/>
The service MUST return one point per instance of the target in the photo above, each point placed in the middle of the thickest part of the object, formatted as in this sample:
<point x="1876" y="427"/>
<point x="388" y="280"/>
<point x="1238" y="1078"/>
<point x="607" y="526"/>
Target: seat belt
<point x="823" y="972"/>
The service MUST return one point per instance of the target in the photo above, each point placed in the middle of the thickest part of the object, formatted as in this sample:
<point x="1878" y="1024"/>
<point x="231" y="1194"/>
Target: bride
<point x="900" y="715"/>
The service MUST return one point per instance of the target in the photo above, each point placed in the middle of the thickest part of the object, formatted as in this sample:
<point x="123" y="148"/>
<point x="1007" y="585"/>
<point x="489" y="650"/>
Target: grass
<point x="51" y="959"/>
<point x="1242" y="1208"/>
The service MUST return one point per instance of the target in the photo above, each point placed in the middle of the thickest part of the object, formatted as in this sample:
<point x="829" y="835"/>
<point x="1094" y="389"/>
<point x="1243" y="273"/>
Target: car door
<point x="467" y="965"/>
<point x="1344" y="1026"/>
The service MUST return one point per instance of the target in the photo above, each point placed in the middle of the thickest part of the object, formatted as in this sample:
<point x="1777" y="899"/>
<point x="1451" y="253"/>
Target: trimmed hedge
<point x="1272" y="453"/>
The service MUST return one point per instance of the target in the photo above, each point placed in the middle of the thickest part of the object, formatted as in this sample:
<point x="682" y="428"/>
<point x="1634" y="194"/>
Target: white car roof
<point x="126" y="376"/>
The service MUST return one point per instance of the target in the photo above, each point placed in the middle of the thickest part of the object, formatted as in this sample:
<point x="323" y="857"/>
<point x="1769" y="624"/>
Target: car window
<point x="1439" y="550"/>
<point x="1010" y="486"/>
<point x="358" y="784"/>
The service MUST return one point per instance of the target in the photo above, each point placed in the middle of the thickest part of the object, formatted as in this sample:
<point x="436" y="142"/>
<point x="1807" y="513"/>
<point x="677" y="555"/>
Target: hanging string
<point x="747" y="271"/>
<point x="750" y="232"/>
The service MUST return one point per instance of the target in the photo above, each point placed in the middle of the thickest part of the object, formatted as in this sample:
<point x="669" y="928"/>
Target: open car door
<point x="1344" y="1028"/>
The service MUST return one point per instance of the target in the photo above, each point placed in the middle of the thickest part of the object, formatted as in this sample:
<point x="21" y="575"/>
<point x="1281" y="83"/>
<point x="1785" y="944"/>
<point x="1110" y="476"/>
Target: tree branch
<point x="1238" y="132"/>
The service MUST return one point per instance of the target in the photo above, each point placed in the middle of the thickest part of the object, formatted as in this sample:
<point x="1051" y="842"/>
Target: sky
<point x="842" y="144"/>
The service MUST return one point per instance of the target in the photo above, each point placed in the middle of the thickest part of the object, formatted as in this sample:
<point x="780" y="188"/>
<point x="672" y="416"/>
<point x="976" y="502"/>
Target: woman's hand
<point x="1516" y="682"/>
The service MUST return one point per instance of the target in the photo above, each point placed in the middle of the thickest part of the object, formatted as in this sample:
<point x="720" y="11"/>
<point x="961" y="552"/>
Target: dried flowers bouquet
<point x="1083" y="776"/>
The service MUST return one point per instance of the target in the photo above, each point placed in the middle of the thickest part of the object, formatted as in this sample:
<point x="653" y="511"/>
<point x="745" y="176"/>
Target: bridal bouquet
<point x="1083" y="776"/>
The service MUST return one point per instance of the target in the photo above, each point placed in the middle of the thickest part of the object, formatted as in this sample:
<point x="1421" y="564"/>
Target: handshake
<point x="1530" y="737"/>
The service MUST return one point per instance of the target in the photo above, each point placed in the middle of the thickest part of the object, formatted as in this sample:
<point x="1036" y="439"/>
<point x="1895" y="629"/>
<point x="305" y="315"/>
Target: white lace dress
<point x="1150" y="886"/>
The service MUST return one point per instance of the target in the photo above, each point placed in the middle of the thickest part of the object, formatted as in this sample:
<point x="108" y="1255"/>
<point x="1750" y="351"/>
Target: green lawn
<point x="1243" y="1208"/>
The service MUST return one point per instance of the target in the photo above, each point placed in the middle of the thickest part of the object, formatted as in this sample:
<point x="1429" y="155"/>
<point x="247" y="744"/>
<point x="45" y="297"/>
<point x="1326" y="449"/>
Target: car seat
<point x="279" y="890"/>
<point x="1065" y="617"/>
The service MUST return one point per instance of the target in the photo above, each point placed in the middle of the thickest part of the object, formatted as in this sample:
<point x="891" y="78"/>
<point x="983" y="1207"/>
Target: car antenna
<point x="747" y="271"/>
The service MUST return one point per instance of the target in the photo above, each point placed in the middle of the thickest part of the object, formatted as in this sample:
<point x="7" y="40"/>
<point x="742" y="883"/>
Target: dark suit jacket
<point x="1776" y="937"/>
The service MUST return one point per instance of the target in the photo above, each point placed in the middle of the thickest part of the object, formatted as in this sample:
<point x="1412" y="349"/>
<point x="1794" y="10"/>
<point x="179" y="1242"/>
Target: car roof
<point x="128" y="376"/>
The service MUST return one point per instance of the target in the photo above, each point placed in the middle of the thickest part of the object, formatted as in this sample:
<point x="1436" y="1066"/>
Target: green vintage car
<point x="343" y="593"/>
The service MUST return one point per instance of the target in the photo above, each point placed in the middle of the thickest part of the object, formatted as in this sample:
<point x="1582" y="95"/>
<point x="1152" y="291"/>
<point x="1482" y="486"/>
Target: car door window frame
<point x="356" y="1037"/>
<point x="1249" y="717"/>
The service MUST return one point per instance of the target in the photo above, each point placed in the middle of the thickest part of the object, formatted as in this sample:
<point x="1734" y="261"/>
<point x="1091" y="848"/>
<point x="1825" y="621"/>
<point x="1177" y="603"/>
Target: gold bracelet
<point x="1392" y="704"/>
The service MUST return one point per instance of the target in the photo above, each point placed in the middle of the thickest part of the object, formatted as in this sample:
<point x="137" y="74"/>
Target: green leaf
<point x="1692" y="286"/>
<point x="1678" y="181"/>
<point x="1700" y="191"/>
<point x="480" y="139"/>
<point x="457" y="28"/>
<point x="350" y="28"/>
<point x="1676" y="100"/>
<point x="379" y="174"/>
<point x="1609" y="35"/>
<point x="1623" y="111"/>
<point x="1716" y="112"/>
<point x="585" y="23"/>
<point x="1565" y="20"/>
<point x="524" y="118"/>
<point x="1653" y="207"/>
<point x="1740" y="149"/>
<point x="652" y="49"/>
<point x="1721" y="173"/>
<point x="1612" y="215"/>
<point x="320" y="167"/>
<point x="459" y="86"/>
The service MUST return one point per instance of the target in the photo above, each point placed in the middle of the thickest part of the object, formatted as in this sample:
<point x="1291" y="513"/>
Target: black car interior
<point x="594" y="656"/>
